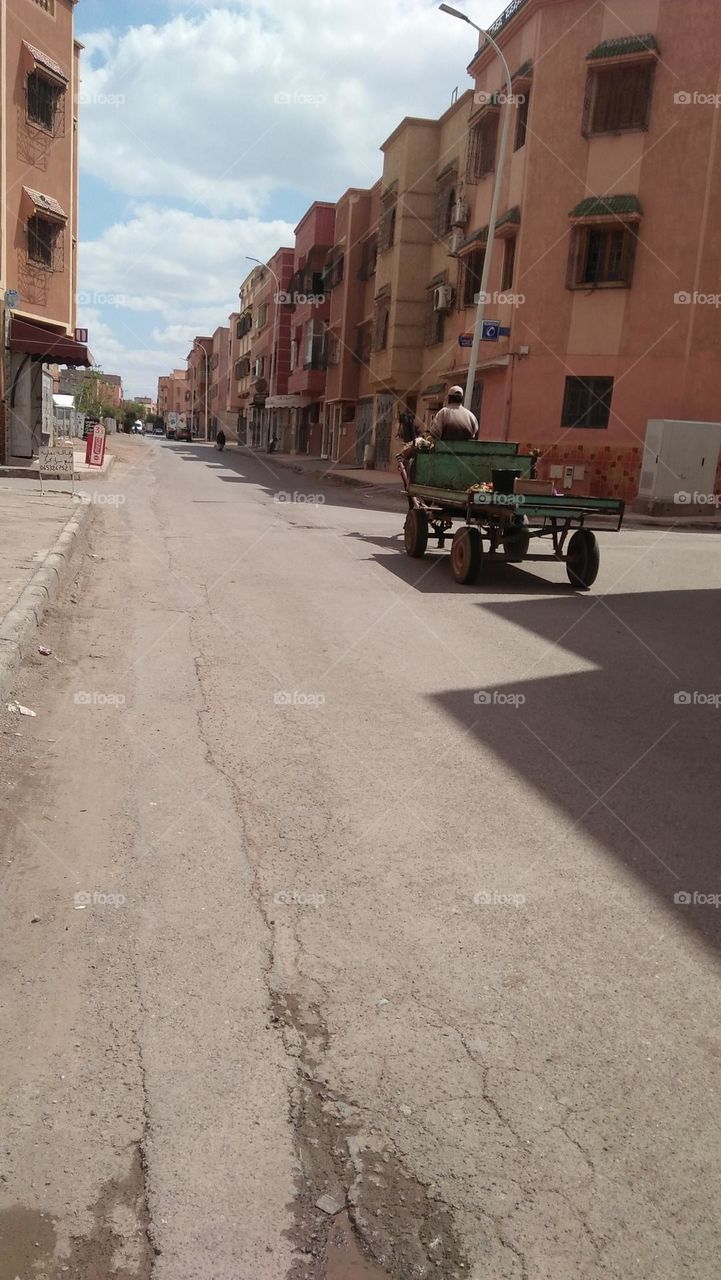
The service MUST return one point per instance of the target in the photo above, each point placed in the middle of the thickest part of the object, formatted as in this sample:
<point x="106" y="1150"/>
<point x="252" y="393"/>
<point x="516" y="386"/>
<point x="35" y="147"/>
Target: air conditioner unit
<point x="443" y="297"/>
<point x="459" y="214"/>
<point x="455" y="241"/>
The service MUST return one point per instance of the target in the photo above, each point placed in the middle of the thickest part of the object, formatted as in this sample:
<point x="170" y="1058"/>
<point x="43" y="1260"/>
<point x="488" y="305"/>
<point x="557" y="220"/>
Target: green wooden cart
<point x="442" y="489"/>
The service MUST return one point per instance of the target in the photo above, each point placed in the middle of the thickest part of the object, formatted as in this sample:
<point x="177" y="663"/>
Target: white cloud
<point x="228" y="109"/>
<point x="189" y="110"/>
<point x="170" y="267"/>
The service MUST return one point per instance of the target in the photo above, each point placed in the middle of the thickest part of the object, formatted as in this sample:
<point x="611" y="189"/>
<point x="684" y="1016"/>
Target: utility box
<point x="678" y="472"/>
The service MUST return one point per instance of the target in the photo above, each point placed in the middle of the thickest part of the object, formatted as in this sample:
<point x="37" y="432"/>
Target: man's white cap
<point x="457" y="391"/>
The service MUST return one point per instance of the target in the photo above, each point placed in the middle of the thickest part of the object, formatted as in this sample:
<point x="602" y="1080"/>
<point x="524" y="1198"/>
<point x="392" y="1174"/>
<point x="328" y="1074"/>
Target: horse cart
<point x="479" y="495"/>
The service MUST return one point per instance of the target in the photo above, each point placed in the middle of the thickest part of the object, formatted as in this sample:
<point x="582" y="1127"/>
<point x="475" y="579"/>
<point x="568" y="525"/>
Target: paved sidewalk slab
<point x="37" y="539"/>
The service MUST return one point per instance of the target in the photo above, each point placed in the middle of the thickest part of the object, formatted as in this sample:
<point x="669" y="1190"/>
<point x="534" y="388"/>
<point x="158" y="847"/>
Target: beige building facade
<point x="39" y="82"/>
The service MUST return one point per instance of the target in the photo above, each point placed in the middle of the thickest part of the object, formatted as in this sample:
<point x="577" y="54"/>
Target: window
<point x="44" y="100"/>
<point x="293" y="354"/>
<point x="242" y="369"/>
<point x="602" y="256"/>
<point x="445" y="204"/>
<point x="434" y="321"/>
<point x="522" y="120"/>
<point x="509" y="264"/>
<point x="369" y="255"/>
<point x="363" y="344"/>
<point x="333" y="272"/>
<point x="618" y="98"/>
<point x="47" y="5"/>
<point x="471" y="272"/>
<point x="315" y="345"/>
<point x="42" y="237"/>
<point x="259" y="367"/>
<point x="380" y="324"/>
<point x="262" y="316"/>
<point x="587" y="402"/>
<point x="482" y="148"/>
<point x="387" y="226"/>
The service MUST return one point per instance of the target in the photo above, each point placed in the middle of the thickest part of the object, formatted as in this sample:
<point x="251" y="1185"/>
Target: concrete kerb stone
<point x="19" y="626"/>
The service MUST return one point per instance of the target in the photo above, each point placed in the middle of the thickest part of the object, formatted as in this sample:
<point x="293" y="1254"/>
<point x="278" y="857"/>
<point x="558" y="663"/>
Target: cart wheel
<point x="517" y="541"/>
<point x="415" y="532"/>
<point x="466" y="552"/>
<point x="582" y="559"/>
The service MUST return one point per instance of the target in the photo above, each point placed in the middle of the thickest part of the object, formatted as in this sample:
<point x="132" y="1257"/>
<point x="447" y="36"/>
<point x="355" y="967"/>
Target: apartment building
<point x="606" y="246"/>
<point x="419" y="198"/>
<point x="271" y="348"/>
<point x="245" y="398"/>
<point x="163" y="396"/>
<point x="349" y="280"/>
<point x="107" y="387"/>
<point x="314" y="237"/>
<point x="39" y="79"/>
<point x="220" y="416"/>
<point x="198" y="361"/>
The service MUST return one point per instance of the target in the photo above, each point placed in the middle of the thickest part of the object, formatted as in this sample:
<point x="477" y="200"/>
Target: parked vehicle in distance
<point x="170" y="433"/>
<point x="158" y="430"/>
<point x="183" y="433"/>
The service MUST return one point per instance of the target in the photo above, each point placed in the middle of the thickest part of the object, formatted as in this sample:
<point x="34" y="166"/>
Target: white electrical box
<point x="678" y="472"/>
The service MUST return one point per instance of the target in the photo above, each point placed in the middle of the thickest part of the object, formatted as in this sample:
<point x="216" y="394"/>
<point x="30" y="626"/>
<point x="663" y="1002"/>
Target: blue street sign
<point x="491" y="331"/>
<point x="465" y="340"/>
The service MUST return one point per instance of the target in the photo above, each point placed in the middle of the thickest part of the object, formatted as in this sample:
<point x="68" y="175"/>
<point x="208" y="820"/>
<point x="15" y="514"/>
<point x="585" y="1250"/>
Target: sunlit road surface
<point x="393" y="892"/>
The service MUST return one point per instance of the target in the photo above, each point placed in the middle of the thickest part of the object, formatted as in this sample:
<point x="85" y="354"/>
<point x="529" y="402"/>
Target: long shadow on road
<point x="628" y="750"/>
<point x="283" y="484"/>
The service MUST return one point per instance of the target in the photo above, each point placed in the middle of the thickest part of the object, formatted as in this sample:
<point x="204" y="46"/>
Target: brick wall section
<point x="611" y="471"/>
<point x="3" y="451"/>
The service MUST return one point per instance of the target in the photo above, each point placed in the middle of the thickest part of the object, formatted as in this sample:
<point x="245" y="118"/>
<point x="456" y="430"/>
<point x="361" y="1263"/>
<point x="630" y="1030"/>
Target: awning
<point x="46" y="205"/>
<point x="44" y="62"/>
<point x="55" y="347"/>
<point x="288" y="402"/>
<point x="606" y="207"/>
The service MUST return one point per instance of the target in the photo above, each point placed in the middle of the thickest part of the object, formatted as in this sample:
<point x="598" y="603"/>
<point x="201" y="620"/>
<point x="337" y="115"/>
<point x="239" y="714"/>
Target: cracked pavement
<point x="378" y="942"/>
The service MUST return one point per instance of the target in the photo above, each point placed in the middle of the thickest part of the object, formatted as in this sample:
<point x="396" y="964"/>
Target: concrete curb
<point x="19" y="626"/>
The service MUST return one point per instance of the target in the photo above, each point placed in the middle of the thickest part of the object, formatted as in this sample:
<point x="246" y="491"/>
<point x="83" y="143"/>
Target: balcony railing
<point x="501" y="21"/>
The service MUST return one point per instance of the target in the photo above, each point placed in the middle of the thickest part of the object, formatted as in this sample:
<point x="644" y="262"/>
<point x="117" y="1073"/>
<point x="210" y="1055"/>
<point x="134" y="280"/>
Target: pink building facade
<point x="602" y="260"/>
<point x="314" y="237"/>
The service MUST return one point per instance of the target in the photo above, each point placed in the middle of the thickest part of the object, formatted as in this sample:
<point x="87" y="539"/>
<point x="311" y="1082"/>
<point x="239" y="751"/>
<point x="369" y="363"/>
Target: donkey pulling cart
<point x="486" y="486"/>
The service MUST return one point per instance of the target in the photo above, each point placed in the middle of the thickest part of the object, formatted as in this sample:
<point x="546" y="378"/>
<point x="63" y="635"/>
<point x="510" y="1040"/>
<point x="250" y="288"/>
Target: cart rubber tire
<point x="517" y="541"/>
<point x="466" y="552"/>
<point x="415" y="533"/>
<point x="582" y="560"/>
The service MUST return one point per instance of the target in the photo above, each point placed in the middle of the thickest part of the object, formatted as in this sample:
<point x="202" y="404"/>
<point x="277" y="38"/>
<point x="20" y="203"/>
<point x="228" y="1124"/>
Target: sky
<point x="207" y="128"/>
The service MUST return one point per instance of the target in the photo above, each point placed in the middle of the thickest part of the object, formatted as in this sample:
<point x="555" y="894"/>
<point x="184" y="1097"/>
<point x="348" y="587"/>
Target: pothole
<point x="389" y="1225"/>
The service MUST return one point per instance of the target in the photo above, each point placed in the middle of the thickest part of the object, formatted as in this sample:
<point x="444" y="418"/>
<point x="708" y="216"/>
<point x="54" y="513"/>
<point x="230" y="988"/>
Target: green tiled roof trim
<point x="606" y="206"/>
<point x="624" y="45"/>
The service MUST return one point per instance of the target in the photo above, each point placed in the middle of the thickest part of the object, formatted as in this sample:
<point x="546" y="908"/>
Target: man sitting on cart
<point x="454" y="422"/>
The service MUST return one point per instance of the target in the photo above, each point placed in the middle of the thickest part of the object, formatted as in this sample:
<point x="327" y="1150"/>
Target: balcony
<point x="317" y="362"/>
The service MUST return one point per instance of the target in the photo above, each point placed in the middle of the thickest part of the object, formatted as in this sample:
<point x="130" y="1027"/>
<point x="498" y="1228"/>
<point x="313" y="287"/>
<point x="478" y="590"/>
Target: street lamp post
<point x="273" y="355"/>
<point x="485" y="276"/>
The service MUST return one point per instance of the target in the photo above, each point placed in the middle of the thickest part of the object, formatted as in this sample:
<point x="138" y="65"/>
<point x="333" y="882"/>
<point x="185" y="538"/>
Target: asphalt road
<point x="327" y="877"/>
